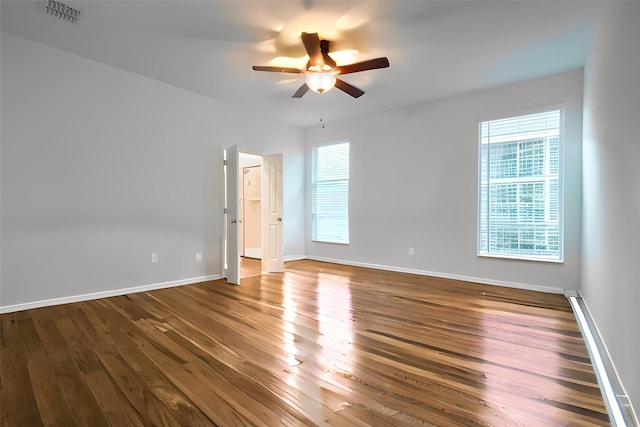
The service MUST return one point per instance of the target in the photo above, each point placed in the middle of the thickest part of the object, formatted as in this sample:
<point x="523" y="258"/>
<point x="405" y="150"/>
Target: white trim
<point x="288" y="258"/>
<point x="105" y="294"/>
<point x="521" y="258"/>
<point x="331" y="242"/>
<point x="616" y="398"/>
<point x="516" y="285"/>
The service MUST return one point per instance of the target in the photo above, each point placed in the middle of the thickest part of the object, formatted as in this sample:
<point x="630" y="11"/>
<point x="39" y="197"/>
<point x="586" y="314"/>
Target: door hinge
<point x="225" y="211"/>
<point x="224" y="162"/>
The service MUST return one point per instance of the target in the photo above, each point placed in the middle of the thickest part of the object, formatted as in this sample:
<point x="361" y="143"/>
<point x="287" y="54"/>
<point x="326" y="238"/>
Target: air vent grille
<point x="62" y="11"/>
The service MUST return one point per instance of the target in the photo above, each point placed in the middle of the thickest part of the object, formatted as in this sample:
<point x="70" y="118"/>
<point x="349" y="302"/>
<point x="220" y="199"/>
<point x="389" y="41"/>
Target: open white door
<point x="232" y="249"/>
<point x="272" y="251"/>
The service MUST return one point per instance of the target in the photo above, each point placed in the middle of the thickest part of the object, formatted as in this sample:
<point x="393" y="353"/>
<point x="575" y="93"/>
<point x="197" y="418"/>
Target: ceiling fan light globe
<point x="320" y="82"/>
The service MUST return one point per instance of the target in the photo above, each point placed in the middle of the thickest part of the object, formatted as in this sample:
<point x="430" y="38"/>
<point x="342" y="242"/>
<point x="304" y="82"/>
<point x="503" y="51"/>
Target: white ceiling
<point x="436" y="48"/>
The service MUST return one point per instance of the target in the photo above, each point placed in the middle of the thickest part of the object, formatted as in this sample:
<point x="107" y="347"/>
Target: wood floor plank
<point x="246" y="373"/>
<point x="69" y="373"/>
<point x="320" y="344"/>
<point x="18" y="400"/>
<point x="50" y="398"/>
<point x="81" y="340"/>
<point x="145" y="386"/>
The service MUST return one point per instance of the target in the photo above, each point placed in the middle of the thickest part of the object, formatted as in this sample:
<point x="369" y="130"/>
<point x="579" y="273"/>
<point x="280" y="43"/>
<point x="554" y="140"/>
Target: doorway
<point x="250" y="213"/>
<point x="252" y="226"/>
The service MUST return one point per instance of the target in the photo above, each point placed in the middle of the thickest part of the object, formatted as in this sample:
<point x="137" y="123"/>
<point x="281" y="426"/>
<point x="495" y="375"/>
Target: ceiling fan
<point x="321" y="70"/>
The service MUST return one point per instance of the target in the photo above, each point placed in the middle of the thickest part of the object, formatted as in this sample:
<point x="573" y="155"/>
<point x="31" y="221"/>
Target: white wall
<point x="414" y="183"/>
<point x="611" y="180"/>
<point x="102" y="167"/>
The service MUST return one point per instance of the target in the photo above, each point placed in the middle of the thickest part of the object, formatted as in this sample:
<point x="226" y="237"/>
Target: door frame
<point x="225" y="220"/>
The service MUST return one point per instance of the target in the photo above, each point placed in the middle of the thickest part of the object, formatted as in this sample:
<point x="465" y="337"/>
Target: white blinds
<point x="330" y="193"/>
<point x="519" y="206"/>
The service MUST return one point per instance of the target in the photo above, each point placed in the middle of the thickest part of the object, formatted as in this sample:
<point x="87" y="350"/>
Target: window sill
<point x="331" y="242"/>
<point x="522" y="258"/>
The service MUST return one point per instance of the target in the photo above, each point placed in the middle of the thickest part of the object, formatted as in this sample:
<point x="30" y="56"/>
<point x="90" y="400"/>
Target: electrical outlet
<point x="412" y="251"/>
<point x="154" y="257"/>
<point x="198" y="256"/>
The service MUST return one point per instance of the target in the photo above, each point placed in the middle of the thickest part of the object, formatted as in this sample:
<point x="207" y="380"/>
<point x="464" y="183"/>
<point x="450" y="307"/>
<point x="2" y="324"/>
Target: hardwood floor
<point x="250" y="267"/>
<point x="319" y="344"/>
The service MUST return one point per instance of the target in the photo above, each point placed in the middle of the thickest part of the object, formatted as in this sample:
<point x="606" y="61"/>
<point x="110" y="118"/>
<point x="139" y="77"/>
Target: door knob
<point x="279" y="219"/>
<point x="233" y="221"/>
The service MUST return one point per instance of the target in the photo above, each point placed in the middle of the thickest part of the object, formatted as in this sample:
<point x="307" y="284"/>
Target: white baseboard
<point x="143" y="288"/>
<point x="530" y="287"/>
<point x="616" y="399"/>
<point x="105" y="294"/>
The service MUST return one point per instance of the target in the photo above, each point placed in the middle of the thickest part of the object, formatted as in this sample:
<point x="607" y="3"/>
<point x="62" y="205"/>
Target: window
<point x="330" y="193"/>
<point x="519" y="205"/>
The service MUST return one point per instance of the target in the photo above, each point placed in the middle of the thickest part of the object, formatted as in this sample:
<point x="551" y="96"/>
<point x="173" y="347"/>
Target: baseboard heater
<point x="618" y="404"/>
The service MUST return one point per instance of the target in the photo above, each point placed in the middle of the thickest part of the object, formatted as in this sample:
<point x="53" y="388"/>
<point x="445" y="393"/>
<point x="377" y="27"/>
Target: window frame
<point x="314" y="223"/>
<point x="549" y="210"/>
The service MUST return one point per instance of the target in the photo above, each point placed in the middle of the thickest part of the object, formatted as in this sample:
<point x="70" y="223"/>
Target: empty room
<point x="313" y="212"/>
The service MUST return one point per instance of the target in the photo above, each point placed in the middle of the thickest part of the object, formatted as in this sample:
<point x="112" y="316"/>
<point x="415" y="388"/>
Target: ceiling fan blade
<point x="370" y="64"/>
<point x="276" y="69"/>
<point x="349" y="89"/>
<point x="301" y="91"/>
<point x="324" y="49"/>
<point x="311" y="43"/>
